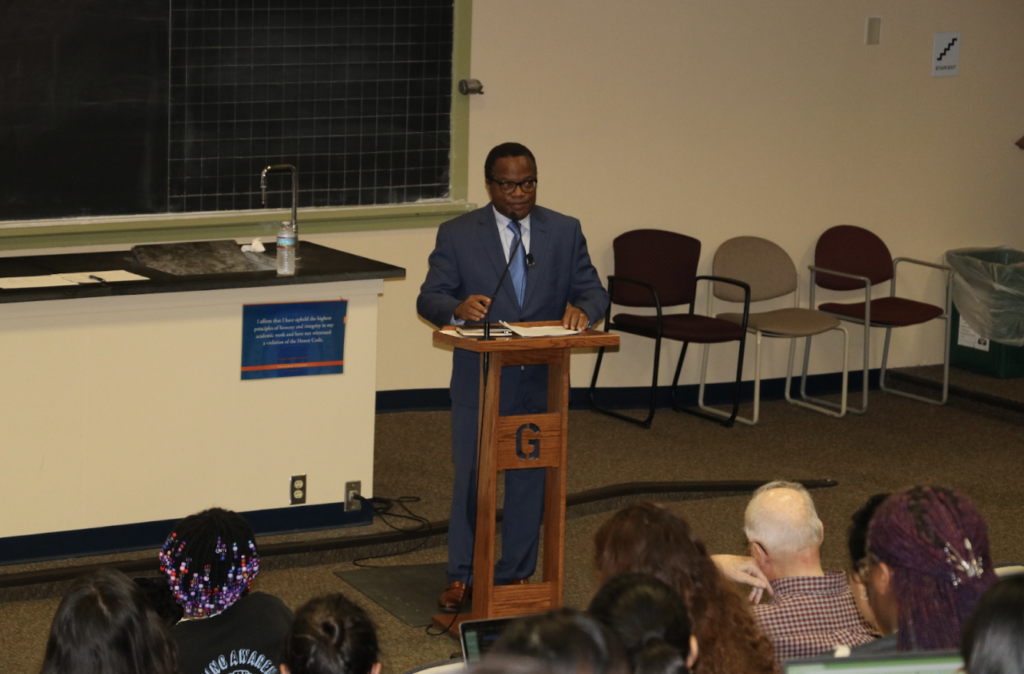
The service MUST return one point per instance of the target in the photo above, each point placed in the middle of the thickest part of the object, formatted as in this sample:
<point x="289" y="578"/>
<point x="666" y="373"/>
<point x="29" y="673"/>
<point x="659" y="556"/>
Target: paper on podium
<point x="541" y="331"/>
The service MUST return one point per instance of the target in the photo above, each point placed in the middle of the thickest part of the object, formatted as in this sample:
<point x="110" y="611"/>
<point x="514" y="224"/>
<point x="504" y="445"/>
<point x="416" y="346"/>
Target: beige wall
<point x="733" y="117"/>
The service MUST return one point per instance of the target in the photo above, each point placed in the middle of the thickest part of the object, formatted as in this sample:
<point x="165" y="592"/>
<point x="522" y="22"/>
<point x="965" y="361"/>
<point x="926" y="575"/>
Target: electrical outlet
<point x="297" y="488"/>
<point x="352" y="491"/>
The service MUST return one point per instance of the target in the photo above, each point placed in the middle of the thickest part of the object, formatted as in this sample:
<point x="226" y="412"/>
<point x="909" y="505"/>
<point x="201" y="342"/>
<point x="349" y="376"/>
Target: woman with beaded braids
<point x="331" y="635"/>
<point x="928" y="565"/>
<point x="650" y="619"/>
<point x="210" y="560"/>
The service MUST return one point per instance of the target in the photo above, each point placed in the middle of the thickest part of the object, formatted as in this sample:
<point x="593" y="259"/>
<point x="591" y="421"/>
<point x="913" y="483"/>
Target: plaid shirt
<point x="810" y="615"/>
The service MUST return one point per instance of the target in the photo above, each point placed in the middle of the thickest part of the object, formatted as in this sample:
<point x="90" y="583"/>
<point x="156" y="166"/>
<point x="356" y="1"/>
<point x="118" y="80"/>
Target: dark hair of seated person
<point x="993" y="637"/>
<point x="646" y="538"/>
<point x="566" y="641"/>
<point x="104" y="625"/>
<point x="857" y="533"/>
<point x="210" y="560"/>
<point x="650" y="619"/>
<point x="935" y="543"/>
<point x="331" y="635"/>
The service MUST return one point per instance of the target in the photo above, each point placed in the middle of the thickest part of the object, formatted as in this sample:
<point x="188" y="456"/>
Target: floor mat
<point x="407" y="592"/>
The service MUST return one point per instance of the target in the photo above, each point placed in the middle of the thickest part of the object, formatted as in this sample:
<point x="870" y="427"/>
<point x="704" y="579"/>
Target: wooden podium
<point x="516" y="442"/>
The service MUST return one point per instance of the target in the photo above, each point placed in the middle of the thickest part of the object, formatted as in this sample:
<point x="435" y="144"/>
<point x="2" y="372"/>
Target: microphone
<point x="511" y="256"/>
<point x="529" y="259"/>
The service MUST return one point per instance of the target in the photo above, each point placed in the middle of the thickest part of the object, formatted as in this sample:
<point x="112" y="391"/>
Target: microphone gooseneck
<point x="511" y="256"/>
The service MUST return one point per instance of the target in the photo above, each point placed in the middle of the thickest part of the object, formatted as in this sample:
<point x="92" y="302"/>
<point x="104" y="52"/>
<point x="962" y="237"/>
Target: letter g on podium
<point x="532" y="442"/>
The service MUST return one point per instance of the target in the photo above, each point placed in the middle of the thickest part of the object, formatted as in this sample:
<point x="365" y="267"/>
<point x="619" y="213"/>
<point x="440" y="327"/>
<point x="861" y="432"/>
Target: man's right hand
<point x="473" y="309"/>
<point x="744" y="570"/>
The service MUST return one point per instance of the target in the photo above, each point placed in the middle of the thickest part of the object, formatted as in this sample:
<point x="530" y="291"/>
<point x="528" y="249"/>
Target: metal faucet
<point x="295" y="192"/>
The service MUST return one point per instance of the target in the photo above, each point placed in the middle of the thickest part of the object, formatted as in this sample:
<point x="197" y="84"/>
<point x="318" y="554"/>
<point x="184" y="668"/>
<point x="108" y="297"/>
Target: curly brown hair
<point x="646" y="538"/>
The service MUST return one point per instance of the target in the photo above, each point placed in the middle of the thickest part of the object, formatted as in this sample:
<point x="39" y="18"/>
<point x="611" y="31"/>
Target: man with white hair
<point x="811" y="611"/>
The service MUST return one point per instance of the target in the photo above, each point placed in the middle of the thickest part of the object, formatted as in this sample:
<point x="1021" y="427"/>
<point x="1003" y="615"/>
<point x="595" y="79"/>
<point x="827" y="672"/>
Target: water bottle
<point x="285" y="250"/>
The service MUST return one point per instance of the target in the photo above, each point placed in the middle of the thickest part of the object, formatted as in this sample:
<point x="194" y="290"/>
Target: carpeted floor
<point x="899" y="442"/>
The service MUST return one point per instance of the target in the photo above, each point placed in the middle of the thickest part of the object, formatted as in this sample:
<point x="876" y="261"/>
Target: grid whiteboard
<point x="156" y="106"/>
<point x="355" y="94"/>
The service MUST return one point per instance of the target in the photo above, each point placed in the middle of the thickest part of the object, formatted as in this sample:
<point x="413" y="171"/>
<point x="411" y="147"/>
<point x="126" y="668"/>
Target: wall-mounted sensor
<point x="467" y="87"/>
<point x="873" y="34"/>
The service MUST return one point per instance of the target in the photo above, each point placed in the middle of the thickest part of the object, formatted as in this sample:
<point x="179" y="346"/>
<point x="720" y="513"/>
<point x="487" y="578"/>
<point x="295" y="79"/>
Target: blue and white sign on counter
<point x="293" y="339"/>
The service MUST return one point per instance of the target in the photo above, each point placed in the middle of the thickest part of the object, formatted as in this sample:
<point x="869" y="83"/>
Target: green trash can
<point x="970" y="351"/>
<point x="988" y="311"/>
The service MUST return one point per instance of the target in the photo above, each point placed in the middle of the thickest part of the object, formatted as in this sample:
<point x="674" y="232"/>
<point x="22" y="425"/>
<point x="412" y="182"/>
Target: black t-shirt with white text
<point x="246" y="638"/>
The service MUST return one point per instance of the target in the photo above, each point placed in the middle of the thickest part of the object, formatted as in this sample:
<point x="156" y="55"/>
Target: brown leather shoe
<point x="454" y="595"/>
<point x="519" y="581"/>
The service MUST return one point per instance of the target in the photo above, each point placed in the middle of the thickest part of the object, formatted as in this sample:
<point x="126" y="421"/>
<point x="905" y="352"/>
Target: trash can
<point x="988" y="313"/>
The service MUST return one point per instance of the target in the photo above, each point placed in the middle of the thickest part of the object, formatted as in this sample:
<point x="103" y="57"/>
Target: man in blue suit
<point x="550" y="279"/>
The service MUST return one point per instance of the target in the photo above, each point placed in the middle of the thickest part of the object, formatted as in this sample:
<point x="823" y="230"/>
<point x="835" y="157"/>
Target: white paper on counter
<point x="112" y="276"/>
<point x="16" y="282"/>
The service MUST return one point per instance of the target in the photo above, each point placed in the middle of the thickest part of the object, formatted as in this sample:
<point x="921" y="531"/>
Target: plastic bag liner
<point x="988" y="291"/>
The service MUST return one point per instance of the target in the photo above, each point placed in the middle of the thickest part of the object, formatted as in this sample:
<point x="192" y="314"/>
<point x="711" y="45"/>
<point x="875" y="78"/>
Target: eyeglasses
<point x="508" y="187"/>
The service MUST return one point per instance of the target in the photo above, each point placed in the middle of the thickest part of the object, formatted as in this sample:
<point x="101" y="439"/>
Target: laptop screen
<point x="479" y="635"/>
<point x="936" y="662"/>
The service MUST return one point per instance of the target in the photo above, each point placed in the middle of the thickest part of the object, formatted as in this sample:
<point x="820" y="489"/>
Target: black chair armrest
<point x="734" y="282"/>
<point x="612" y="279"/>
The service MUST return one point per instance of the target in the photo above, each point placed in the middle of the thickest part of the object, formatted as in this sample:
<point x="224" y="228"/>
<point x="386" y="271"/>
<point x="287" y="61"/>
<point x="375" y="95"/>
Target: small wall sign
<point x="294" y="339"/>
<point x="946" y="55"/>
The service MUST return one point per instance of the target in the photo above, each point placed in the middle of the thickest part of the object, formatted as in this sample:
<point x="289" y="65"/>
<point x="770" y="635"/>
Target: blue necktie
<point x="517" y="270"/>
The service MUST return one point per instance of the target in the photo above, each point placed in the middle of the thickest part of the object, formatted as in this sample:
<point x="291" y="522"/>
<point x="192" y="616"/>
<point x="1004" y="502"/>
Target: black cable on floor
<point x="384" y="508"/>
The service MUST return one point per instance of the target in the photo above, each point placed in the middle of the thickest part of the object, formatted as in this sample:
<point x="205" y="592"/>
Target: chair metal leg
<point x="750" y="421"/>
<point x="828" y="403"/>
<point x="701" y="410"/>
<point x="643" y="423"/>
<point x="822" y="405"/>
<point x="945" y="370"/>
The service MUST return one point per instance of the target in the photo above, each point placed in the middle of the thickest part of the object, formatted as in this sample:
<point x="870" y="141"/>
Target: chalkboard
<point x="114" y="107"/>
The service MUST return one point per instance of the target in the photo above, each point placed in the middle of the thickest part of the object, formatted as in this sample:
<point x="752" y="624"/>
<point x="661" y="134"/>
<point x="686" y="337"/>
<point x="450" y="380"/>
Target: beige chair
<point x="770" y="273"/>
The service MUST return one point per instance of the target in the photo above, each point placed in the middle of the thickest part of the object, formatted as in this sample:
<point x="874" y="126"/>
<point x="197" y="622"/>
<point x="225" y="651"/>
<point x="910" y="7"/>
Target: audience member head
<point x="105" y="626"/>
<point x="993" y="638"/>
<point x="331" y="635"/>
<point x="784" y="531"/>
<point x="650" y="619"/>
<point x="567" y="641"/>
<point x="210" y="560"/>
<point x="857" y="541"/>
<point x="857" y="534"/>
<point x="645" y="538"/>
<point x="929" y="563"/>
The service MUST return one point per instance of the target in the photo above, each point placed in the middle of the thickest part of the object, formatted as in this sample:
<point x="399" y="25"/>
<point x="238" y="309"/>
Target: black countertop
<point x="316" y="264"/>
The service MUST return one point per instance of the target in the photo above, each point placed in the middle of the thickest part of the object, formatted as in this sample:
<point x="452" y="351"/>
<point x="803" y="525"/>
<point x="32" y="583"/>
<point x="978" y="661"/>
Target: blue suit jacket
<point x="468" y="259"/>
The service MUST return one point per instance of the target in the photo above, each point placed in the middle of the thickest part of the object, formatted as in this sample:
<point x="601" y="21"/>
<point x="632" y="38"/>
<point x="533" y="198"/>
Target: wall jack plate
<point x="352" y="491"/>
<point x="297" y="488"/>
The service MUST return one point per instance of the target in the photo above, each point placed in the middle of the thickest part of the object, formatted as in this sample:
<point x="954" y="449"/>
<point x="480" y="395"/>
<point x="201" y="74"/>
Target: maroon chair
<point x="852" y="258"/>
<point x="655" y="268"/>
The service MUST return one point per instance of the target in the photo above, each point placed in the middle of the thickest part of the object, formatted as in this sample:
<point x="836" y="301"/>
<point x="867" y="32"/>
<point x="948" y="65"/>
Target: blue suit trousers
<point x="524" y="500"/>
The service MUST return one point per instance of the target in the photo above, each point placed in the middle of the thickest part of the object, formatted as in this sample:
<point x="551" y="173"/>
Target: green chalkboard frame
<point x="73" y="232"/>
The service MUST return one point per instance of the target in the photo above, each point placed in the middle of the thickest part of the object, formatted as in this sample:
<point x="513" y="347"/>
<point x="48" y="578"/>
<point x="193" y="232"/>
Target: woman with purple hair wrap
<point x="929" y="564"/>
